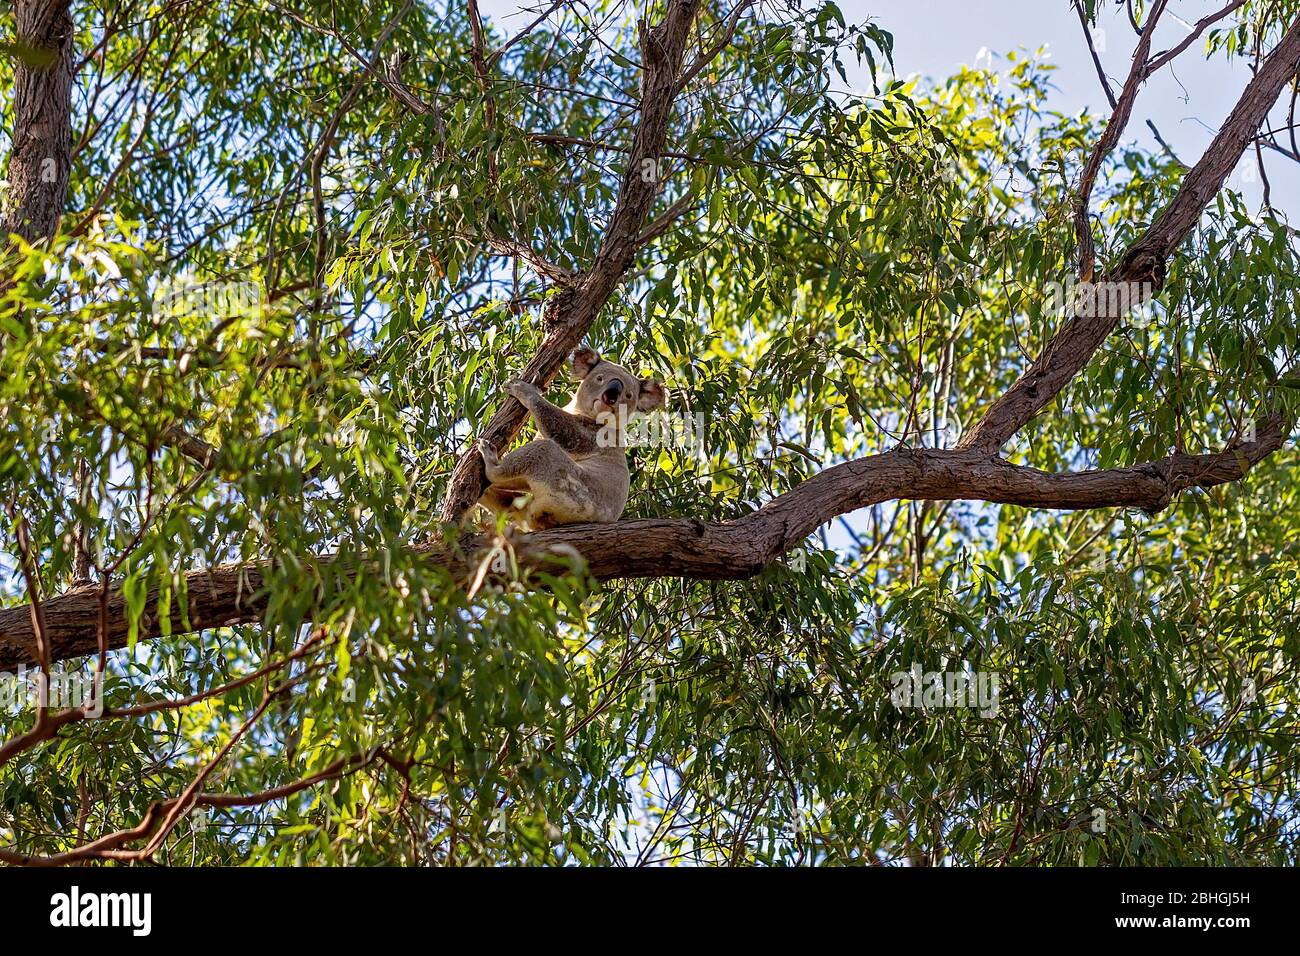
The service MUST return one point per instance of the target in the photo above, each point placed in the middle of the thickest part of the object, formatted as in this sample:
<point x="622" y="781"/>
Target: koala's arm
<point x="575" y="435"/>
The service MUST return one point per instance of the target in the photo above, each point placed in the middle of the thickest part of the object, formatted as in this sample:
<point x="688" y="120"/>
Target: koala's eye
<point x="599" y="379"/>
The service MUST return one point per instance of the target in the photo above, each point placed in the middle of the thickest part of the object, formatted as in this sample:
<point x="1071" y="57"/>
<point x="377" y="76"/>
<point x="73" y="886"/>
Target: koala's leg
<point x="501" y="497"/>
<point x="498" y="499"/>
<point x="492" y="463"/>
<point x="559" y="490"/>
<point x="535" y="458"/>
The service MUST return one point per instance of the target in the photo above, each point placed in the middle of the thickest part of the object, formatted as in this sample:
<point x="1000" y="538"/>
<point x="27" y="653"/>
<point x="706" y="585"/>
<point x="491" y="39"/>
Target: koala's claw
<point x="490" y="458"/>
<point x="521" y="390"/>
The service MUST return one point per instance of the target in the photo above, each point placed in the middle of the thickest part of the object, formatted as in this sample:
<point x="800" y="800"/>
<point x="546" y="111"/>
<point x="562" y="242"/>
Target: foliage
<point x="859" y="269"/>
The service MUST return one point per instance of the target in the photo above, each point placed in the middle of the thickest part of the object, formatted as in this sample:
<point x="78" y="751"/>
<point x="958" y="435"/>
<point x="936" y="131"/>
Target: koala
<point x="577" y="470"/>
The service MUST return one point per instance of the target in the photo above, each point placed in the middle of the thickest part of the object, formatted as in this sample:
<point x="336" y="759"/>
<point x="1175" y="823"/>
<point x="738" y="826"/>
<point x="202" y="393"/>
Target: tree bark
<point x="682" y="547"/>
<point x="42" y="143"/>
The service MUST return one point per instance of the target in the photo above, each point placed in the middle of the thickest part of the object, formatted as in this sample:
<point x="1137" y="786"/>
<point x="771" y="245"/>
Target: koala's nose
<point x="612" y="391"/>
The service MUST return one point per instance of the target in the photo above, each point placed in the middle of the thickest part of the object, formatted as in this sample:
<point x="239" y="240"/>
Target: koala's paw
<point x="522" y="390"/>
<point x="490" y="458"/>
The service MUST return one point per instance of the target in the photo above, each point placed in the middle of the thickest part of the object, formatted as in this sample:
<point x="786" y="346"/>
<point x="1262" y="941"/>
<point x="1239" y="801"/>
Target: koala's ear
<point x="584" y="360"/>
<point x="651" y="395"/>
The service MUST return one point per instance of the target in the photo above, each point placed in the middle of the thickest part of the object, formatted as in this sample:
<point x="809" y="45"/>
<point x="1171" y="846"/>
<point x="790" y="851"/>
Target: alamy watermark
<point x="186" y="298"/>
<point x="88" y="908"/>
<point x="659" y="429"/>
<point x="932" y="690"/>
<point x="1103" y="299"/>
<point x="31" y="689"/>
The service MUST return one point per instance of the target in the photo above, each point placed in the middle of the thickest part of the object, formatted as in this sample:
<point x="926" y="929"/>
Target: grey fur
<point x="577" y="470"/>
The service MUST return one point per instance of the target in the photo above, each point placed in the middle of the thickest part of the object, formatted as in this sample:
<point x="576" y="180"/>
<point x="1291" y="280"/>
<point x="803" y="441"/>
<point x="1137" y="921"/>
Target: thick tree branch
<point x="683" y="547"/>
<point x="1141" y="270"/>
<point x="191" y="446"/>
